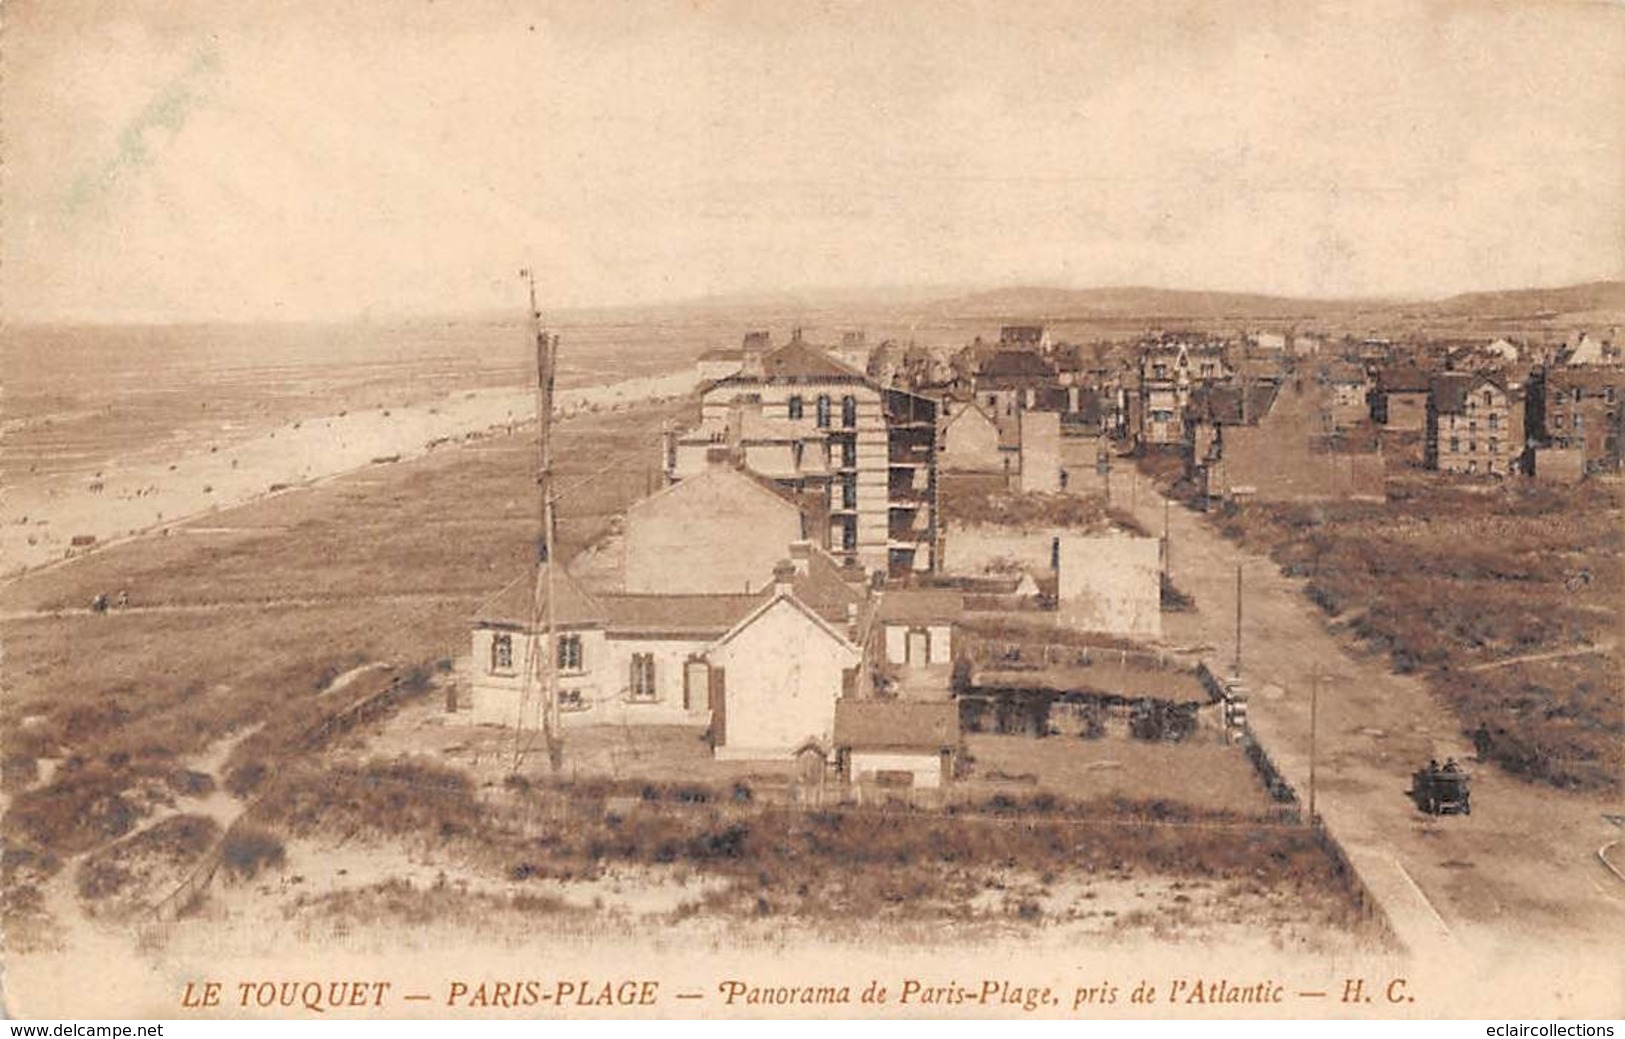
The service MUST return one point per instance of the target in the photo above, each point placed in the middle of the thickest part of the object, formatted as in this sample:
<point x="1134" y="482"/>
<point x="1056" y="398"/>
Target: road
<point x="1518" y="878"/>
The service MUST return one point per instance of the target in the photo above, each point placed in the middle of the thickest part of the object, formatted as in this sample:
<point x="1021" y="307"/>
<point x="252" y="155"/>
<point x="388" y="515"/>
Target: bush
<point x="249" y="849"/>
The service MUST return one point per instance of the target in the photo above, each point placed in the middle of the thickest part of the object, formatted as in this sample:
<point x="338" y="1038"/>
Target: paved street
<point x="1521" y="877"/>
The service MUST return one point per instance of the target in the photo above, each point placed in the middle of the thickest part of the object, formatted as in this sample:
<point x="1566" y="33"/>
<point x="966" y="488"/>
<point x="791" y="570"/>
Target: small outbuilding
<point x="896" y="744"/>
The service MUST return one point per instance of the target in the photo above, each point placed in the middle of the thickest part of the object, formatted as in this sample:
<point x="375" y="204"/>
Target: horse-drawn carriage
<point x="1442" y="791"/>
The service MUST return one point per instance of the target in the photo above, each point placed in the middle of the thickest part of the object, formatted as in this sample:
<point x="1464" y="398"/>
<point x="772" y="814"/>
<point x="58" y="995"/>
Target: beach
<point x="46" y="519"/>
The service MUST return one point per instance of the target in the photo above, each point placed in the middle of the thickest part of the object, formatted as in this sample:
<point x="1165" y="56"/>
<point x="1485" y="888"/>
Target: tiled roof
<point x="921" y="605"/>
<point x="824" y="587"/>
<point x="1017" y="364"/>
<point x="513" y="605"/>
<point x="1449" y="392"/>
<point x="1402" y="379"/>
<point x="797" y="359"/>
<point x="876" y="724"/>
<point x="704" y="616"/>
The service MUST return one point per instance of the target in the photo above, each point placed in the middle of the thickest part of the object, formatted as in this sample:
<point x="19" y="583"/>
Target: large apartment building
<point x="862" y="459"/>
<point x="1582" y="408"/>
<point x="1475" y="425"/>
<point x="1170" y="369"/>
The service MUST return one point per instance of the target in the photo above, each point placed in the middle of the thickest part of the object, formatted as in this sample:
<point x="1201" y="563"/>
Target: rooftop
<point x="878" y="724"/>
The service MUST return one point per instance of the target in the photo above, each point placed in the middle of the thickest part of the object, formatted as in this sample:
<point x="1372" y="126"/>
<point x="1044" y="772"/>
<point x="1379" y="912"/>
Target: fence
<point x="1020" y="654"/>
<point x="191" y="890"/>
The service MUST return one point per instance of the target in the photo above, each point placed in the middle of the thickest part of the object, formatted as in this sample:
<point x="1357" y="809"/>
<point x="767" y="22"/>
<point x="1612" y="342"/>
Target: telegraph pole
<point x="1167" y="543"/>
<point x="1238" y="620"/>
<point x="1314" y="710"/>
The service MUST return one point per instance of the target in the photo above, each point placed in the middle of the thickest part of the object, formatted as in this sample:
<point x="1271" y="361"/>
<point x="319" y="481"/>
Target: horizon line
<point x="769" y="298"/>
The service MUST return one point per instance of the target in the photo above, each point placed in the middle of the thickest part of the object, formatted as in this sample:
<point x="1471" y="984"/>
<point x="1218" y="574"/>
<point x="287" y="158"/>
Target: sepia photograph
<point x="812" y="509"/>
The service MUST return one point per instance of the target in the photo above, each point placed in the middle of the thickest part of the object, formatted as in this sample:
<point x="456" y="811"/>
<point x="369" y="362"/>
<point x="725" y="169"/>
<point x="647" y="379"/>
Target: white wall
<point x="783" y="675"/>
<point x="977" y="548"/>
<point x="1111" y="584"/>
<point x="494" y="696"/>
<point x="925" y="766"/>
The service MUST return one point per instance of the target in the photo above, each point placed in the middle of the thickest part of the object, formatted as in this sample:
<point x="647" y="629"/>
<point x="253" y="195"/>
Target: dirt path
<point x="1517" y="877"/>
<point x="1578" y="651"/>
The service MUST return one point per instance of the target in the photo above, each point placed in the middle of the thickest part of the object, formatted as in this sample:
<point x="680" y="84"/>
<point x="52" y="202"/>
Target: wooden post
<point x="1314" y="707"/>
<point x="1238" y="620"/>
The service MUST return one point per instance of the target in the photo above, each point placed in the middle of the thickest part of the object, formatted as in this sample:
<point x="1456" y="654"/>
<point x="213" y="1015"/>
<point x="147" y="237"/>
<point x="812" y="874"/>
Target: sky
<point x="215" y="159"/>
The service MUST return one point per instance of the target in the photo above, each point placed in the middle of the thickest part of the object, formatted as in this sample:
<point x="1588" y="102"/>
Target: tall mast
<point x="543" y="665"/>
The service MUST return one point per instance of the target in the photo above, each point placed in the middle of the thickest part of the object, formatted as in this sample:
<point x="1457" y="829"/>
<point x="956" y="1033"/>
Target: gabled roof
<point x="1450" y="390"/>
<point x="824" y="587"/>
<point x="698" y="483"/>
<point x="512" y="607"/>
<point x="792" y="602"/>
<point x="896" y="724"/>
<point x="798" y="359"/>
<point x="967" y="409"/>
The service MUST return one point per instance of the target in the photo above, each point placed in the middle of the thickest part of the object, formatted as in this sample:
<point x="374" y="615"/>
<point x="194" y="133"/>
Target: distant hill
<point x="1595" y="300"/>
<point x="1053" y="303"/>
<point x="1592" y="297"/>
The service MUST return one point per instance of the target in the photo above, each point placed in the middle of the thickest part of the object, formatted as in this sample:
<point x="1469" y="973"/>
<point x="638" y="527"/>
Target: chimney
<point x="801" y="556"/>
<point x="755" y="345"/>
<point x="784" y="574"/>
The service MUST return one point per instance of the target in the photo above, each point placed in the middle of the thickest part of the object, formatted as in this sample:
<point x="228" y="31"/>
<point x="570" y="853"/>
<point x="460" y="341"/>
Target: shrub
<point x="249" y="849"/>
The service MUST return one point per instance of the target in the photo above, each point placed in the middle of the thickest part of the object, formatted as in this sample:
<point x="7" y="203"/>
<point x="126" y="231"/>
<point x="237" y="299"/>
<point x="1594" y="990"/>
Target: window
<point x="849" y="491"/>
<point x="822" y="416"/>
<point x="1576" y="394"/>
<point x="849" y="454"/>
<point x="1489" y="398"/>
<point x="794" y="407"/>
<point x="569" y="652"/>
<point x="1495" y="446"/>
<point x="1472" y="426"/>
<point x="1495" y="422"/>
<point x="1579" y="421"/>
<point x="502" y="653"/>
<point x="1608" y="394"/>
<point x="642" y="682"/>
<point x="849" y="411"/>
<point x="849" y="534"/>
<point x="1557" y="421"/>
<point x="1472" y="447"/>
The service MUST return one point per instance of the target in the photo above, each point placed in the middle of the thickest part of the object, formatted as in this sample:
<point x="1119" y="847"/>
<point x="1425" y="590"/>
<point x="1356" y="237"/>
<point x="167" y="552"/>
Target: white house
<point x="778" y="673"/>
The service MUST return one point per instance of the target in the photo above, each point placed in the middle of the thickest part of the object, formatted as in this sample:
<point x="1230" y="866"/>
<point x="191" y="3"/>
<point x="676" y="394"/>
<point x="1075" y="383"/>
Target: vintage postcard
<point x="700" y="508"/>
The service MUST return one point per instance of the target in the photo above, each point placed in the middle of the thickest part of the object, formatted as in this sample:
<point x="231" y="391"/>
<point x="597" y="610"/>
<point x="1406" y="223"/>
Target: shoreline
<point x="40" y="521"/>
